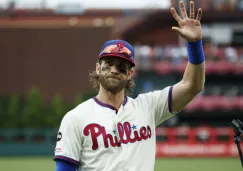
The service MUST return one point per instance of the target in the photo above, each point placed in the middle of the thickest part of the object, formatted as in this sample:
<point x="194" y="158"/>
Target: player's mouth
<point x="114" y="78"/>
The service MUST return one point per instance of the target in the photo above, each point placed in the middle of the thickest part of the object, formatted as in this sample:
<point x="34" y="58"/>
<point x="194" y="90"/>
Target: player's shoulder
<point x="82" y="108"/>
<point x="77" y="114"/>
<point x="147" y="96"/>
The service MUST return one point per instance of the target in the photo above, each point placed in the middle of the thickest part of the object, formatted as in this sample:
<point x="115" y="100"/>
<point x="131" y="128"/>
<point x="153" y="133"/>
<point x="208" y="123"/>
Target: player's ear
<point x="98" y="65"/>
<point x="130" y="73"/>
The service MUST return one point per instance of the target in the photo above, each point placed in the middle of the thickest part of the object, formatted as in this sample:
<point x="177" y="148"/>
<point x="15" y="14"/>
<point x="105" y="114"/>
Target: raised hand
<point x="189" y="28"/>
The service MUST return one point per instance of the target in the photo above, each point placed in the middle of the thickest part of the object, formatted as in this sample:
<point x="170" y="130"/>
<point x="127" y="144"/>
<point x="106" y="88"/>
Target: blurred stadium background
<point x="49" y="47"/>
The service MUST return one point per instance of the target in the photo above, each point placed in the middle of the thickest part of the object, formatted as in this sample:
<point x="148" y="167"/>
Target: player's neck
<point x="107" y="97"/>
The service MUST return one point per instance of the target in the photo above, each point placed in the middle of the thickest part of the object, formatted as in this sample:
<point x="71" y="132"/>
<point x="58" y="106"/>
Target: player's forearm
<point x="194" y="77"/>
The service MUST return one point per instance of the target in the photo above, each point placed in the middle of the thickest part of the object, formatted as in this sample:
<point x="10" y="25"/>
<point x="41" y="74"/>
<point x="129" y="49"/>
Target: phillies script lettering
<point x="96" y="130"/>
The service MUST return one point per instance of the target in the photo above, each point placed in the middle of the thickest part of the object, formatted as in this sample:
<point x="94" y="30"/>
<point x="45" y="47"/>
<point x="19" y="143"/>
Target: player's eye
<point x="122" y="68"/>
<point x="108" y="63"/>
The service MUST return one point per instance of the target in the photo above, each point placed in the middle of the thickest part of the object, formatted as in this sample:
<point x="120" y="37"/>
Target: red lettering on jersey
<point x="143" y="133"/>
<point x="118" y="143"/>
<point x="90" y="129"/>
<point x="121" y="130"/>
<point x="110" y="137"/>
<point x="149" y="132"/>
<point x="124" y="132"/>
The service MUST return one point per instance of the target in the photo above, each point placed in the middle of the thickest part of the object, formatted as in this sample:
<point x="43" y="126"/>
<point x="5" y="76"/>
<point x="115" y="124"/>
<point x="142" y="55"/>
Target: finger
<point x="177" y="29"/>
<point x="192" y="13"/>
<point x="183" y="9"/>
<point x="175" y="15"/>
<point x="199" y="14"/>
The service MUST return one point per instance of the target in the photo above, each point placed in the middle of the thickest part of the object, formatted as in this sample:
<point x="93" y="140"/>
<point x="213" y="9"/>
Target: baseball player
<point x="114" y="132"/>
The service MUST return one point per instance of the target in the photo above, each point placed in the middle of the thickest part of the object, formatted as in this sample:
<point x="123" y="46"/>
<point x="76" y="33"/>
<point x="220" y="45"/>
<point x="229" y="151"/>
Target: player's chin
<point x="115" y="86"/>
<point x="114" y="90"/>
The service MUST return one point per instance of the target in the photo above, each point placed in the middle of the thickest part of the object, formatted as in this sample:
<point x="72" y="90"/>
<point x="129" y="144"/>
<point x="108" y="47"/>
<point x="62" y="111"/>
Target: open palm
<point x="189" y="28"/>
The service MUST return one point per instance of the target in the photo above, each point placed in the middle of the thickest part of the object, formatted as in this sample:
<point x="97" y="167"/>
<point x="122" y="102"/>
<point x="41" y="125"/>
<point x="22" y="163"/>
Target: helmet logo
<point x="120" y="45"/>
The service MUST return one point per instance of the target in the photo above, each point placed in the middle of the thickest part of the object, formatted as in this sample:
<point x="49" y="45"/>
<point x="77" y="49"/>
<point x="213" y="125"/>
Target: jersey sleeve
<point x="159" y="104"/>
<point x="69" y="140"/>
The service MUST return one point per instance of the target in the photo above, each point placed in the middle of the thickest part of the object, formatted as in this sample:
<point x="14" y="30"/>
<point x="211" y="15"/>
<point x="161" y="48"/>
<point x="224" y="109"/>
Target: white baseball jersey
<point x="98" y="137"/>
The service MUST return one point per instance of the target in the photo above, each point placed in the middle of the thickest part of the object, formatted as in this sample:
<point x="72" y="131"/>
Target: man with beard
<point x="113" y="132"/>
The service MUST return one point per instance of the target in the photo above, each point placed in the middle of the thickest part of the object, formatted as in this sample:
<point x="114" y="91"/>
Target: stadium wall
<point x="56" y="60"/>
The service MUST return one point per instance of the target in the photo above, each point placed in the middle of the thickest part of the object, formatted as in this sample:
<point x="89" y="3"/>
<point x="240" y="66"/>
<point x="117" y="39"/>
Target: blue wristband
<point x="65" y="166"/>
<point x="195" y="52"/>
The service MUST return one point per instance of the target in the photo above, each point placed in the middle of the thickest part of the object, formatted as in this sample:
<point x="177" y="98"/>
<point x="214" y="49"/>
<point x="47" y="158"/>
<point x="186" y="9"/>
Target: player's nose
<point x="114" y="69"/>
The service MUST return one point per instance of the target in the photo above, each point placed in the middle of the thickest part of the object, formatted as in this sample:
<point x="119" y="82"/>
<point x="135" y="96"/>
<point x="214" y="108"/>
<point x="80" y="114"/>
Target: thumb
<point x="177" y="29"/>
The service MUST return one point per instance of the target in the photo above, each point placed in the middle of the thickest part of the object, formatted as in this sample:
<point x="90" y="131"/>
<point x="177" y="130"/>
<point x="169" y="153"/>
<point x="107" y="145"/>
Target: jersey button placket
<point x="117" y="121"/>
